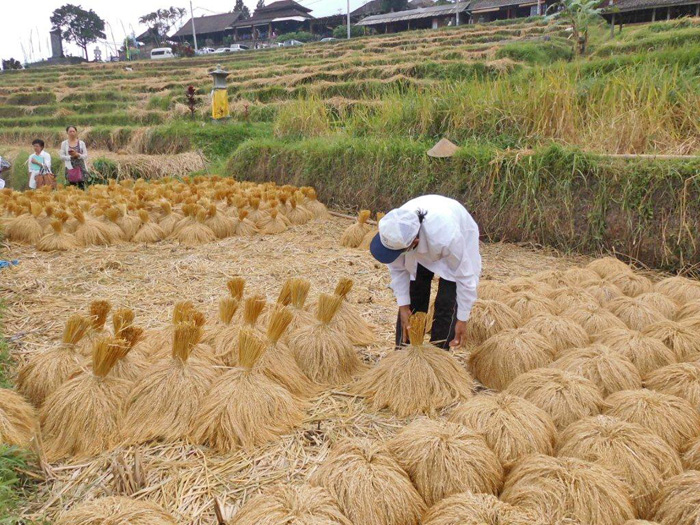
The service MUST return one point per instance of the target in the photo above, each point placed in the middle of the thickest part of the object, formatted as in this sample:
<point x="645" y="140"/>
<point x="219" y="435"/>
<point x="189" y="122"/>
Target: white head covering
<point x="399" y="228"/>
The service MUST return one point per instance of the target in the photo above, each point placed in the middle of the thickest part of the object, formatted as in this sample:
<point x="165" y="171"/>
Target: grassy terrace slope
<point x="355" y="119"/>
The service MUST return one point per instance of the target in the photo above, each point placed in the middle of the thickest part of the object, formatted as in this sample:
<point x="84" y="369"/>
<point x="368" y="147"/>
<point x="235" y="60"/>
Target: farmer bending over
<point x="426" y="236"/>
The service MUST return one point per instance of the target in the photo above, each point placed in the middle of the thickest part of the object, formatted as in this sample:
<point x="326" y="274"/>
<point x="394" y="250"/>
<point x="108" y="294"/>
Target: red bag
<point x="74" y="175"/>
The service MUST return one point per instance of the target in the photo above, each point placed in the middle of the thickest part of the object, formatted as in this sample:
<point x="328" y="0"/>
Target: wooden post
<point x="612" y="26"/>
<point x="668" y="14"/>
<point x="653" y="15"/>
<point x="269" y="31"/>
<point x="697" y="10"/>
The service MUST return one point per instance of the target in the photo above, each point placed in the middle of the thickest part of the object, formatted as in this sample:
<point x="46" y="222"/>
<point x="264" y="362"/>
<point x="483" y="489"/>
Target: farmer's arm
<point x="464" y="259"/>
<point x="400" y="281"/>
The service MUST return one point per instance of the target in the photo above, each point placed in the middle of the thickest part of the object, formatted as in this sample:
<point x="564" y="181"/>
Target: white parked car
<point x="161" y="53"/>
<point x="292" y="43"/>
<point x="205" y="50"/>
<point x="238" y="47"/>
<point x="329" y="39"/>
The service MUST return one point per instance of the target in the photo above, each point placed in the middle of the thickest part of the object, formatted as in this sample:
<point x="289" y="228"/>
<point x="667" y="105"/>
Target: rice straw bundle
<point x="679" y="500"/>
<point x="528" y="284"/>
<point x="491" y="290"/>
<point x="228" y="306"/>
<point x="609" y="267"/>
<point x="298" y="214"/>
<point x="609" y="370"/>
<point x="349" y="321"/>
<point x="46" y="371"/>
<point x="314" y="206"/>
<point x="353" y="235"/>
<point x="631" y="284"/>
<point x="688" y="310"/>
<point x="110" y="223"/>
<point x="604" y="292"/>
<point x="57" y="240"/>
<point x="417" y="379"/>
<point x="594" y="320"/>
<point x="169" y="219"/>
<point x="679" y="337"/>
<point x="272" y="223"/>
<point x="633" y="454"/>
<point x="256" y="214"/>
<point x="196" y="233"/>
<point x="634" y="314"/>
<point x="528" y="304"/>
<point x="82" y="416"/>
<point x="299" y="291"/>
<point x="578" y="276"/>
<point x="291" y="505"/>
<point x="672" y="418"/>
<point x="18" y="419"/>
<point x="561" y="489"/>
<point x="680" y="289"/>
<point x="90" y="232"/>
<point x="566" y="397"/>
<point x="640" y="522"/>
<point x="189" y="218"/>
<point x="561" y="333"/>
<point x="680" y="379"/>
<point x="128" y="223"/>
<point x="475" y="509"/>
<point x="506" y="355"/>
<point x="659" y="302"/>
<point x="444" y="458"/>
<point x="98" y="312"/>
<point x="512" y="426"/>
<point x="166" y="399"/>
<point x="235" y="287"/>
<point x="322" y="352"/>
<point x="646" y="353"/>
<point x="245" y="226"/>
<point x="691" y="455"/>
<point x="158" y="345"/>
<point x="245" y="409"/>
<point x="116" y="510"/>
<point x="221" y="224"/>
<point x="369" y="485"/>
<point x="568" y="297"/>
<point x="26" y="228"/>
<point x="487" y="318"/>
<point x="370" y="235"/>
<point x="130" y="365"/>
<point x="149" y="231"/>
<point x="228" y="337"/>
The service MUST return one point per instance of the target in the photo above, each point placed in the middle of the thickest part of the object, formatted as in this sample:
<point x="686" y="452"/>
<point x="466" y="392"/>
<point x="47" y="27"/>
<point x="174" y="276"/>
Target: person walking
<point x="38" y="161"/>
<point x="74" y="154"/>
<point x="431" y="235"/>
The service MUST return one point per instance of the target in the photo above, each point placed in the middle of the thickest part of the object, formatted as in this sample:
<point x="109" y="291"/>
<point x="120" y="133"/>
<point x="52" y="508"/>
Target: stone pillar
<point x="56" y="44"/>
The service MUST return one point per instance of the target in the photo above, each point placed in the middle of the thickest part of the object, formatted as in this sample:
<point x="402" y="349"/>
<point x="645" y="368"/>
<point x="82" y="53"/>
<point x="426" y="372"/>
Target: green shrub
<point x="540" y="52"/>
<point x="160" y="102"/>
<point x="301" y="36"/>
<point x="105" y="168"/>
<point x="341" y="32"/>
<point x="36" y="98"/>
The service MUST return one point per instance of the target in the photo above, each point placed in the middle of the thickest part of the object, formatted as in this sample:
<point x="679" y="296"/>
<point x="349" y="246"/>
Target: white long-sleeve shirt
<point x="448" y="245"/>
<point x="65" y="155"/>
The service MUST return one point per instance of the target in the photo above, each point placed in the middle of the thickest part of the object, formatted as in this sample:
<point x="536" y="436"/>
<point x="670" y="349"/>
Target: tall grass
<point x="304" y="117"/>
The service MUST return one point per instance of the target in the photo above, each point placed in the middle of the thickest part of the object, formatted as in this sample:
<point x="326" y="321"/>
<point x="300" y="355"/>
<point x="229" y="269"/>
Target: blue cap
<point x="383" y="254"/>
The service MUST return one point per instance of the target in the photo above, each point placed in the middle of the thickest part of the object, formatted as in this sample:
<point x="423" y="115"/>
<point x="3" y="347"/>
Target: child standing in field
<point x="37" y="161"/>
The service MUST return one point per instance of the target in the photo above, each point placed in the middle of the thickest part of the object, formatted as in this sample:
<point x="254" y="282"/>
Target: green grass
<point x="536" y="52"/>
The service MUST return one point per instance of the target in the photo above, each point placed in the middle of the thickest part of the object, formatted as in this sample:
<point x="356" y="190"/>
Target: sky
<point x="25" y="24"/>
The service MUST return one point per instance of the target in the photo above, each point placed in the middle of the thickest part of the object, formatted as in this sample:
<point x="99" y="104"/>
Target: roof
<point x="414" y="14"/>
<point x="276" y="12"/>
<point x="149" y="35"/>
<point x="488" y="5"/>
<point x="373" y="7"/>
<point x="208" y="24"/>
<point x="281" y="5"/>
<point x="637" y="5"/>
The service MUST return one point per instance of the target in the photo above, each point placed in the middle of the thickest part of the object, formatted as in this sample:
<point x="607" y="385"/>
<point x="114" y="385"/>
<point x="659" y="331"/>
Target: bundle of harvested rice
<point x="566" y="397"/>
<point x="272" y="223"/>
<point x="561" y="333"/>
<point x="195" y="233"/>
<point x="57" y="240"/>
<point x="529" y="284"/>
<point x="487" y="318"/>
<point x="640" y="522"/>
<point x="26" y="228"/>
<point x="256" y="214"/>
<point x="604" y="292"/>
<point x="417" y="379"/>
<point x="168" y="219"/>
<point x="353" y="235"/>
<point x="228" y="306"/>
<point x="299" y="291"/>
<point x="166" y="399"/>
<point x="90" y="232"/>
<point x="491" y="290"/>
<point x="82" y="416"/>
<point x="228" y="337"/>
<point x="680" y="379"/>
<point x="149" y="231"/>
<point x="634" y="314"/>
<point x="512" y="426"/>
<point x="245" y="409"/>
<point x="506" y="355"/>
<point x="46" y="371"/>
<point x="635" y="455"/>
<point x="292" y="505"/>
<point x="659" y="302"/>
<point x="444" y="458"/>
<point x="561" y="489"/>
<point x="298" y="214"/>
<point x="221" y="224"/>
<point x="646" y="353"/>
<point x="679" y="337"/>
<point x="609" y="370"/>
<point x="594" y="320"/>
<point x="371" y="234"/>
<point x="245" y="227"/>
<point x="159" y="345"/>
<point x="128" y="223"/>
<point x="672" y="418"/>
<point x="679" y="500"/>
<point x="578" y="276"/>
<point x="475" y="509"/>
<point x="314" y="205"/>
<point x="111" y="225"/>
<point x="323" y="353"/>
<point x="680" y="289"/>
<point x="18" y="419"/>
<point x="688" y="310"/>
<point x="130" y="365"/>
<point x="349" y="321"/>
<point x="99" y="310"/>
<point x="528" y="304"/>
<point x="631" y="284"/>
<point x="609" y="267"/>
<point x="116" y="510"/>
<point x="235" y="287"/>
<point x="369" y="485"/>
<point x="691" y="455"/>
<point x="567" y="297"/>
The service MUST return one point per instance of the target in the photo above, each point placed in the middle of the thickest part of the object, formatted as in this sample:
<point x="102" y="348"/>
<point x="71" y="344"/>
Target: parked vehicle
<point x="329" y="39"/>
<point x="223" y="50"/>
<point x="205" y="50"/>
<point x="239" y="47"/>
<point x="161" y="53"/>
<point x="292" y="43"/>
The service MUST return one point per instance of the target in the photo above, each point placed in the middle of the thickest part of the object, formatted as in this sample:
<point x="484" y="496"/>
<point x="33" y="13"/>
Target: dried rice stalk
<point x="90" y="232"/>
<point x="681" y="379"/>
<point x="609" y="267"/>
<point x="567" y="297"/>
<point x="299" y="291"/>
<point x="491" y="290"/>
<point x="443" y="458"/>
<point x="604" y="292"/>
<point x="314" y="206"/>
<point x="659" y="302"/>
<point x="19" y="421"/>
<point x="26" y="228"/>
<point x="475" y="509"/>
<point x="487" y="318"/>
<point x="349" y="321"/>
<point x="631" y="284"/>
<point x="512" y="426"/>
<point x="594" y="320"/>
<point x="235" y="286"/>
<point x="370" y="235"/>
<point x="418" y="379"/>
<point x="169" y="219"/>
<point x="149" y="231"/>
<point x="222" y="225"/>
<point x="646" y="353"/>
<point x="57" y="240"/>
<point x="679" y="500"/>
<point x="561" y="333"/>
<point x="529" y="304"/>
<point x="369" y="485"/>
<point x="633" y="313"/>
<point x="353" y="235"/>
<point x="116" y="510"/>
<point x="680" y="289"/>
<point x="196" y="233"/>
<point x="691" y="455"/>
<point x="225" y="342"/>
<point x="679" y="337"/>
<point x="688" y="310"/>
<point x="246" y="227"/>
<point x="272" y="223"/>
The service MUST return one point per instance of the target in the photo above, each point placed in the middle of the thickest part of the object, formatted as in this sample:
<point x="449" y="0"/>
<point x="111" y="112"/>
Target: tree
<point x="580" y="14"/>
<point x="11" y="64"/>
<point x="389" y="6"/>
<point x="161" y="20"/>
<point x="241" y="8"/>
<point x="342" y="31"/>
<point x="260" y="4"/>
<point x="78" y="25"/>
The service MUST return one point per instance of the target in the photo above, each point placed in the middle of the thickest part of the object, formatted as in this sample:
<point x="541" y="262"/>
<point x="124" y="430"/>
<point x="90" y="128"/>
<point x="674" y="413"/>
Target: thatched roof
<point x="283" y="10"/>
<point x="208" y="24"/>
<point x="414" y="14"/>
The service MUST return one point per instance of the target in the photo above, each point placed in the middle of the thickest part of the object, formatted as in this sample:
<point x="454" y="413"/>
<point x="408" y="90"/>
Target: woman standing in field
<point x="74" y="154"/>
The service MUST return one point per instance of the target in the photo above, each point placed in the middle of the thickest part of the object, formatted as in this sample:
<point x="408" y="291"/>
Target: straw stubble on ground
<point x="45" y="288"/>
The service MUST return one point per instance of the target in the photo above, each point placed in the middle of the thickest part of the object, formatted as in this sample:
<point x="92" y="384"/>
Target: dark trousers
<point x="80" y="184"/>
<point x="445" y="315"/>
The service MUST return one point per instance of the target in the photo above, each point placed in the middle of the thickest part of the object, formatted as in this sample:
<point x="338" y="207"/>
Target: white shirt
<point x="65" y="155"/>
<point x="448" y="245"/>
<point x="34" y="169"/>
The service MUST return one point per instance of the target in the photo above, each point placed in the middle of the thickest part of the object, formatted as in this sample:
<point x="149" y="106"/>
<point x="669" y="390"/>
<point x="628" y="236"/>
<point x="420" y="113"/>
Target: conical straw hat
<point x="443" y="149"/>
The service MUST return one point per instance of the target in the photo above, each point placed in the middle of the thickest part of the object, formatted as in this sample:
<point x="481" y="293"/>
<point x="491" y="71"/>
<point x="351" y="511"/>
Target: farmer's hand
<point x="405" y="316"/>
<point x="460" y="332"/>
